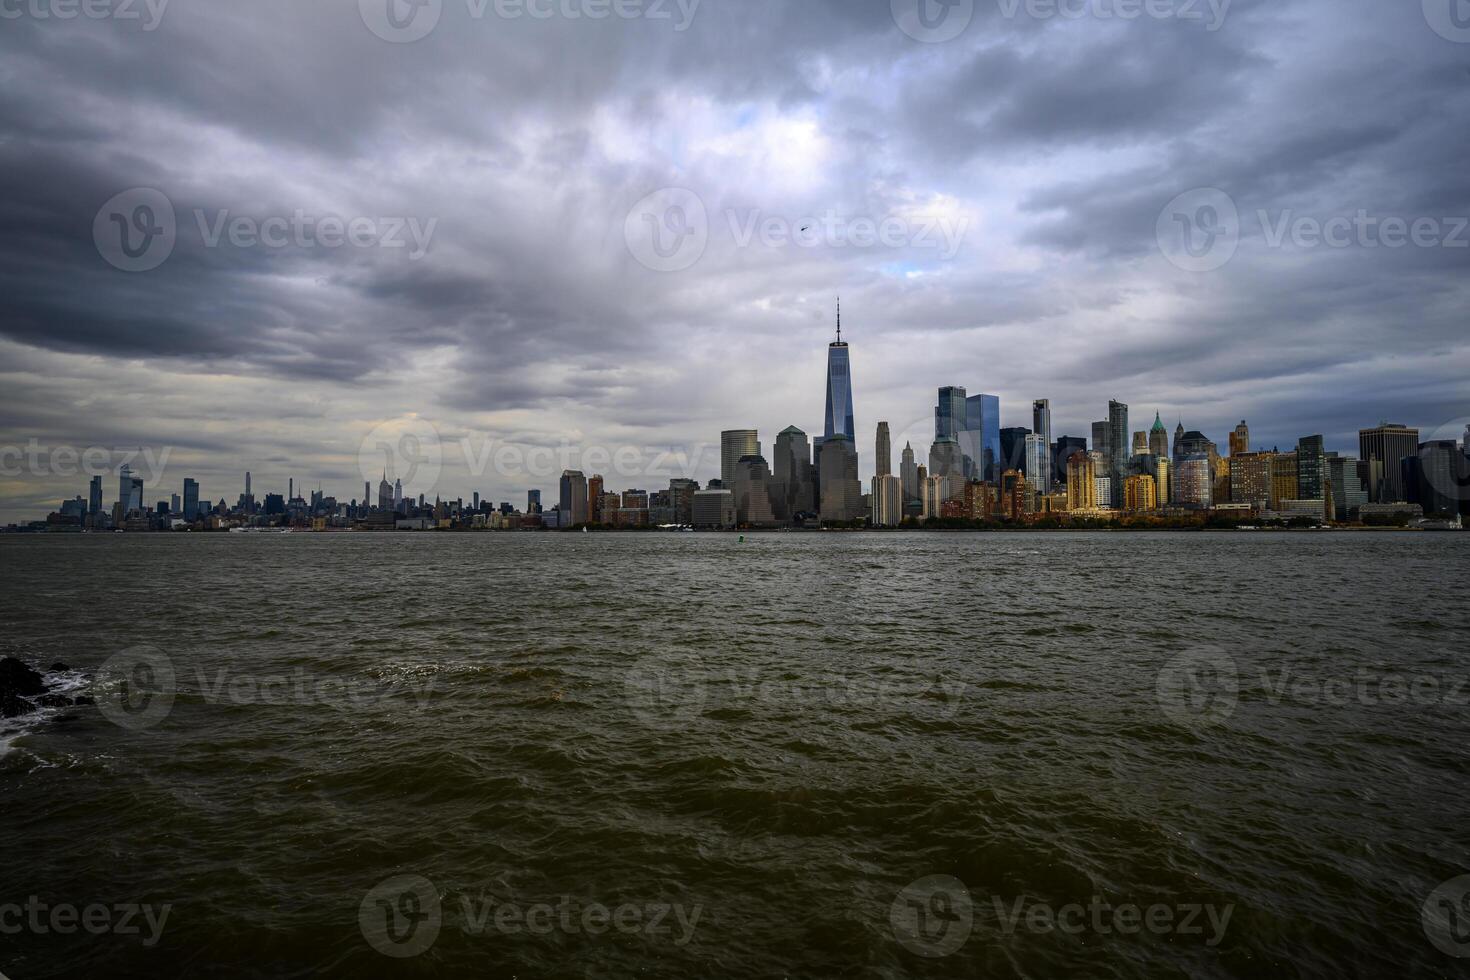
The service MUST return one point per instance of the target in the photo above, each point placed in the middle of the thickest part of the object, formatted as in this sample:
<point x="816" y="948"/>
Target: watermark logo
<point x="400" y="21"/>
<point x="405" y="450"/>
<point x="401" y="917"/>
<point x="137" y="688"/>
<point x="932" y="21"/>
<point x="667" y="690"/>
<point x="933" y="917"/>
<point x="1199" y="687"/>
<point x="302" y="230"/>
<point x="136" y="230"/>
<point x="1446" y="917"/>
<point x="668" y="230"/>
<point x="1199" y="231"/>
<point x="1211" y="13"/>
<point x="1363" y="230"/>
<point x="1450" y="19"/>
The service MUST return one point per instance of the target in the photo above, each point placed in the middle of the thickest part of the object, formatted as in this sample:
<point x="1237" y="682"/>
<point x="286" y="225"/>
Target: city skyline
<point x="529" y="319"/>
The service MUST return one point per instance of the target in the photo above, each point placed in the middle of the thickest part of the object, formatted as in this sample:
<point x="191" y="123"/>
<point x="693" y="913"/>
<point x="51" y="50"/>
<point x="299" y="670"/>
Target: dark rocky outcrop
<point x="58" y="667"/>
<point x="18" y="680"/>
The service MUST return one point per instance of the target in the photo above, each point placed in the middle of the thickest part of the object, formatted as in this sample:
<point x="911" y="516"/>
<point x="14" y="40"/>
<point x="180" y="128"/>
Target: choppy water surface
<point x="802" y="755"/>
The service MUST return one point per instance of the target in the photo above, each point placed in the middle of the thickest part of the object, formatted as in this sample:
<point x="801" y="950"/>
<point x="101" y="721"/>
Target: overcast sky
<point x="993" y="188"/>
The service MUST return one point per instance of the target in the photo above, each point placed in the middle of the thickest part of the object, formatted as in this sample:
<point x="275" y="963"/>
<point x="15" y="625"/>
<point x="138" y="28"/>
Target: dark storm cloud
<point x="1057" y="143"/>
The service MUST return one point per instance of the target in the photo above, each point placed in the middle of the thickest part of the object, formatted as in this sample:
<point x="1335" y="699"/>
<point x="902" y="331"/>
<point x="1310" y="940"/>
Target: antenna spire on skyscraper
<point x="839" y="319"/>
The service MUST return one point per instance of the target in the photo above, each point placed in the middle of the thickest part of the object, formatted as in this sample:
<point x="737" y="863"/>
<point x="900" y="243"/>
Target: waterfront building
<point x="1251" y="476"/>
<point x="596" y="510"/>
<point x="1436" y="478"/>
<point x="887" y="501"/>
<point x="980" y="501"/>
<point x="1310" y="455"/>
<point x="1062" y="452"/>
<point x="934" y="495"/>
<point x="1284" y="484"/>
<point x="883" y="462"/>
<point x="533" y="501"/>
<point x="1140" y="494"/>
<point x="1013" y="448"/>
<point x="1348" y="477"/>
<point x="94" y="495"/>
<point x="573" y="504"/>
<point x="980" y="439"/>
<point x="949" y="413"/>
<point x="714" y="509"/>
<point x="793" y="484"/>
<point x="1194" y="482"/>
<point x="1041" y="427"/>
<point x="908" y="472"/>
<point x="1081" y="482"/>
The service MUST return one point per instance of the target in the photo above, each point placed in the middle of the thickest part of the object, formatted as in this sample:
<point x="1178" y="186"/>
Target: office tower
<point x="841" y="491"/>
<point x="1081" y="484"/>
<point x="94" y="496"/>
<point x="887" y="497"/>
<point x="1348" y="478"/>
<point x="1194" y="482"/>
<point x="682" y="490"/>
<point x="713" y="509"/>
<point x="1389" y="445"/>
<point x="533" y="501"/>
<point x="1284" y="484"/>
<point x="883" y="466"/>
<point x="124" y="486"/>
<point x="1158" y="438"/>
<point x="947" y="462"/>
<point x="793" y="475"/>
<point x="573" y="498"/>
<point x="1310" y="453"/>
<point x="1161" y="468"/>
<point x="175" y="505"/>
<point x="385" y="494"/>
<point x="1251" y="478"/>
<point x="1062" y="452"/>
<point x="1140" y="494"/>
<point x="981" y="438"/>
<point x="595" y="491"/>
<point x="1435" y="478"/>
<point x="476" y="501"/>
<point x="1118" y="444"/>
<point x="752" y="492"/>
<point x="290" y="489"/>
<point x="1041" y="418"/>
<point x="932" y="497"/>
<point x="1013" y="448"/>
<point x="838" y="420"/>
<point x="908" y="472"/>
<point x="1015" y="495"/>
<point x="1100" y="438"/>
<point x="1178" y="438"/>
<point x="1038" y="463"/>
<point x="1240" y="439"/>
<point x="248" y="494"/>
<point x="1140" y="444"/>
<point x="949" y="413"/>
<point x="734" y="444"/>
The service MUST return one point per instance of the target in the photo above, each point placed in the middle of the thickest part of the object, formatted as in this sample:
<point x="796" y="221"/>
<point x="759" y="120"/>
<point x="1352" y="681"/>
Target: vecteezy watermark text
<point x="149" y="12"/>
<point x="406" y="21"/>
<point x="934" y="917"/>
<point x="38" y="459"/>
<point x="403" y="916"/>
<point x="64" y="919"/>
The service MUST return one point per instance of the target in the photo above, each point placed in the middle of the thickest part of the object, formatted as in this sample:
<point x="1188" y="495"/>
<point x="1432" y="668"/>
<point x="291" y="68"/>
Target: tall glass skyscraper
<point x="839" y="388"/>
<point x="1041" y="426"/>
<point x="981" y="441"/>
<point x="949" y="413"/>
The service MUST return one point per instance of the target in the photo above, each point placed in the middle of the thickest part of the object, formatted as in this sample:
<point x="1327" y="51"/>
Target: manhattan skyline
<point x="528" y="319"/>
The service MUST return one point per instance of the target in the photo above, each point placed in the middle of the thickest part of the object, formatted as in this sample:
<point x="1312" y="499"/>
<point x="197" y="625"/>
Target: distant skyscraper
<point x="1100" y="438"/>
<point x="1119" y="446"/>
<point x="887" y="507"/>
<point x="841" y="491"/>
<point x="385" y="494"/>
<point x="397" y="494"/>
<point x="1178" y="437"/>
<point x="1310" y="466"/>
<point x="1194" y="483"/>
<point x="1390" y="445"/>
<point x="734" y="444"/>
<point x="948" y="463"/>
<point x="1081" y="482"/>
<point x="949" y="413"/>
<point x="1038" y="463"/>
<point x="1250" y="478"/>
<point x="1349" y="479"/>
<point x="839" y="388"/>
<point x="1240" y="439"/>
<point x="884" y="463"/>
<point x="533" y="501"/>
<point x="573" y="498"/>
<point x="981" y="439"/>
<point x="94" y="496"/>
<point x="1013" y="448"/>
<point x="908" y="472"/>
<point x="1140" y="444"/>
<point x="1436" y="478"/>
<point x="1061" y="454"/>
<point x="1158" y="441"/>
<point x="1041" y="418"/>
<point x="792" y="475"/>
<point x="124" y="486"/>
<point x="713" y="508"/>
<point x="752" y="492"/>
